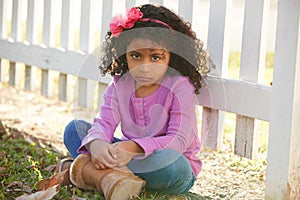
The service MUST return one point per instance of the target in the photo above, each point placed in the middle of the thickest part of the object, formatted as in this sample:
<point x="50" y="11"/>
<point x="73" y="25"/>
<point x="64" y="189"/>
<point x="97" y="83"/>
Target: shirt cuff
<point x="148" y="145"/>
<point x="87" y="139"/>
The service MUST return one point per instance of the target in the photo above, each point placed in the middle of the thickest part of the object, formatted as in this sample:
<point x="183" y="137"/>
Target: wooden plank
<point x="69" y="62"/>
<point x="185" y="10"/>
<point x="101" y="90"/>
<point x="82" y="92"/>
<point x="48" y="23"/>
<point x="85" y="26"/>
<point x="218" y="43"/>
<point x="16" y="35"/>
<point x="227" y="95"/>
<point x="223" y="94"/>
<point x="85" y="87"/>
<point x="3" y="20"/>
<point x="16" y="24"/>
<point x="44" y="82"/>
<point x="107" y="8"/>
<point x="252" y="69"/>
<point x="2" y="70"/>
<point x="28" y="78"/>
<point x="210" y="128"/>
<point x="218" y="35"/>
<point x="65" y="37"/>
<point x="31" y="23"/>
<point x="12" y="74"/>
<point x="283" y="170"/>
<point x="130" y="3"/>
<point x="65" y="25"/>
<point x="3" y="34"/>
<point x="254" y="42"/>
<point x="159" y="2"/>
<point x="48" y="40"/>
<point x="246" y="140"/>
<point x="31" y="37"/>
<point x="62" y="87"/>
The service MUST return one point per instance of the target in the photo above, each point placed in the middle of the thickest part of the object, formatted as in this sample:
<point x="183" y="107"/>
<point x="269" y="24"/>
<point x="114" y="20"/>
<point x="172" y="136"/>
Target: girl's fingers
<point x="113" y="151"/>
<point x="102" y="167"/>
<point x="95" y="163"/>
<point x="101" y="164"/>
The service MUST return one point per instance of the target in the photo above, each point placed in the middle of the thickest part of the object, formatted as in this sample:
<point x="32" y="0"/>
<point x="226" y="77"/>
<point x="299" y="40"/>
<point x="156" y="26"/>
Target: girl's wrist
<point x="89" y="145"/>
<point x="130" y="146"/>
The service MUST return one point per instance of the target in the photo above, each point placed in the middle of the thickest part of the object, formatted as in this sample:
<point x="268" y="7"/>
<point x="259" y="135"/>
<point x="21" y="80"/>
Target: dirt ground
<point x="224" y="175"/>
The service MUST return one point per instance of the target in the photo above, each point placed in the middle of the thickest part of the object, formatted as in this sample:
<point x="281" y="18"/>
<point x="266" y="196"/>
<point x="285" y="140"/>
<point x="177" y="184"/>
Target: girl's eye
<point x="155" y="58"/>
<point x="135" y="56"/>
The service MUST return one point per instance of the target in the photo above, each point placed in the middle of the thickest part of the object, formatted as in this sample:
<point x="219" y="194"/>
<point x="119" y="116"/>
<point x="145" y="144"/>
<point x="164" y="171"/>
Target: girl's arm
<point x="105" y="124"/>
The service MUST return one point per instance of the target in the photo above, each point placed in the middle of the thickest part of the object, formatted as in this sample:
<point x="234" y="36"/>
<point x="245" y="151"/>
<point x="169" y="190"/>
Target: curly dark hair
<point x="188" y="58"/>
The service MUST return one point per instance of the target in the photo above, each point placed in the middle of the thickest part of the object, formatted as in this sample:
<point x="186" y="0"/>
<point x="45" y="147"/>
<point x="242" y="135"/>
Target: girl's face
<point x="147" y="62"/>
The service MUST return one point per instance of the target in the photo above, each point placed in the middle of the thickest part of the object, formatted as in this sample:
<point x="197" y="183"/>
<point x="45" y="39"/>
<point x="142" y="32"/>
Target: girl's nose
<point x="144" y="68"/>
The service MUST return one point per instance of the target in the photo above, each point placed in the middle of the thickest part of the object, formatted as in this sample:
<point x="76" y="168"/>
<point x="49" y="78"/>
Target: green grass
<point x="24" y="164"/>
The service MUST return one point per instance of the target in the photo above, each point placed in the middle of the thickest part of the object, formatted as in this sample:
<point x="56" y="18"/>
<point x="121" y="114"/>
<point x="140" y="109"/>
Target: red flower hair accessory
<point x="119" y="23"/>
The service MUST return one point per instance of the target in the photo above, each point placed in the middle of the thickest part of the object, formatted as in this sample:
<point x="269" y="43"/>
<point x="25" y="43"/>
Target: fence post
<point x="283" y="170"/>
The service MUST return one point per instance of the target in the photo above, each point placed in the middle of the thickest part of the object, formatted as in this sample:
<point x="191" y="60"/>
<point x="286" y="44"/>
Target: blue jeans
<point x="165" y="171"/>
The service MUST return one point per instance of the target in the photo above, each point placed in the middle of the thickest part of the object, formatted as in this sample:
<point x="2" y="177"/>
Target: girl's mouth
<point x="143" y="79"/>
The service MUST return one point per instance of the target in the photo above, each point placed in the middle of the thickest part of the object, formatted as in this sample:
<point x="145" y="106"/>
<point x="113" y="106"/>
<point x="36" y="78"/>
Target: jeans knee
<point x="165" y="171"/>
<point x="69" y="132"/>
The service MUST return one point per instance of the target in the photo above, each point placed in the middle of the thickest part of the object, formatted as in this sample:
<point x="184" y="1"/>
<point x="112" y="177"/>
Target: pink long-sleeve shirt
<point x="165" y="119"/>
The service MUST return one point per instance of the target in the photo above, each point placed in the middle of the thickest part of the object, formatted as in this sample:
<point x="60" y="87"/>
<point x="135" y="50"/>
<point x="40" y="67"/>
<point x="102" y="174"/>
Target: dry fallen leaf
<point x="53" y="180"/>
<point x="18" y="186"/>
<point x="40" y="195"/>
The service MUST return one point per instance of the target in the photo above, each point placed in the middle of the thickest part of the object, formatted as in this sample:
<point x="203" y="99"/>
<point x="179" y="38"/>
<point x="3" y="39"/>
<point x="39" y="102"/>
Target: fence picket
<point x="16" y="35"/>
<point x="107" y="8"/>
<point x="86" y="87"/>
<point x="252" y="69"/>
<point x="246" y="143"/>
<point x="159" y="2"/>
<point x="31" y="37"/>
<point x="185" y="10"/>
<point x="130" y="3"/>
<point x="219" y="48"/>
<point x="65" y="37"/>
<point x="3" y="34"/>
<point x="211" y="127"/>
<point x="3" y="20"/>
<point x="48" y="40"/>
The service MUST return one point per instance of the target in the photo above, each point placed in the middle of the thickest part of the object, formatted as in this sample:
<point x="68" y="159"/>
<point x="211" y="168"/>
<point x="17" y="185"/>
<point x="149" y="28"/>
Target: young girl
<point x="157" y="64"/>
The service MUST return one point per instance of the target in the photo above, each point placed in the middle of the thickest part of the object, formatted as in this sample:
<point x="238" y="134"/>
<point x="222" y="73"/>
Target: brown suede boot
<point x="64" y="165"/>
<point x="114" y="184"/>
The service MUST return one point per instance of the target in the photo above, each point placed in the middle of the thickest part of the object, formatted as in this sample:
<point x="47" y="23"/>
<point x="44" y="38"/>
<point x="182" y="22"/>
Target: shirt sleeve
<point x="182" y="125"/>
<point x="105" y="124"/>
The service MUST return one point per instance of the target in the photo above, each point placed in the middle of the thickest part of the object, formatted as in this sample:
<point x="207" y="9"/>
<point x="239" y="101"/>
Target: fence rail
<point x="60" y="37"/>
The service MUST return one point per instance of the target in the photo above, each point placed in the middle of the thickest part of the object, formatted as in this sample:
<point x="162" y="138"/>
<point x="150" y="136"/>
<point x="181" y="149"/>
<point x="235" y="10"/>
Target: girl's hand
<point x="126" y="150"/>
<point x="103" y="154"/>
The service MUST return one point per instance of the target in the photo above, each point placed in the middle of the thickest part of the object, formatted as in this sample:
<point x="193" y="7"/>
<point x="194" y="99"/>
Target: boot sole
<point x="126" y="188"/>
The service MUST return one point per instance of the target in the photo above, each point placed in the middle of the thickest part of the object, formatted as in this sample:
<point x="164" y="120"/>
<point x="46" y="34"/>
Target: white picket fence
<point x="60" y="36"/>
